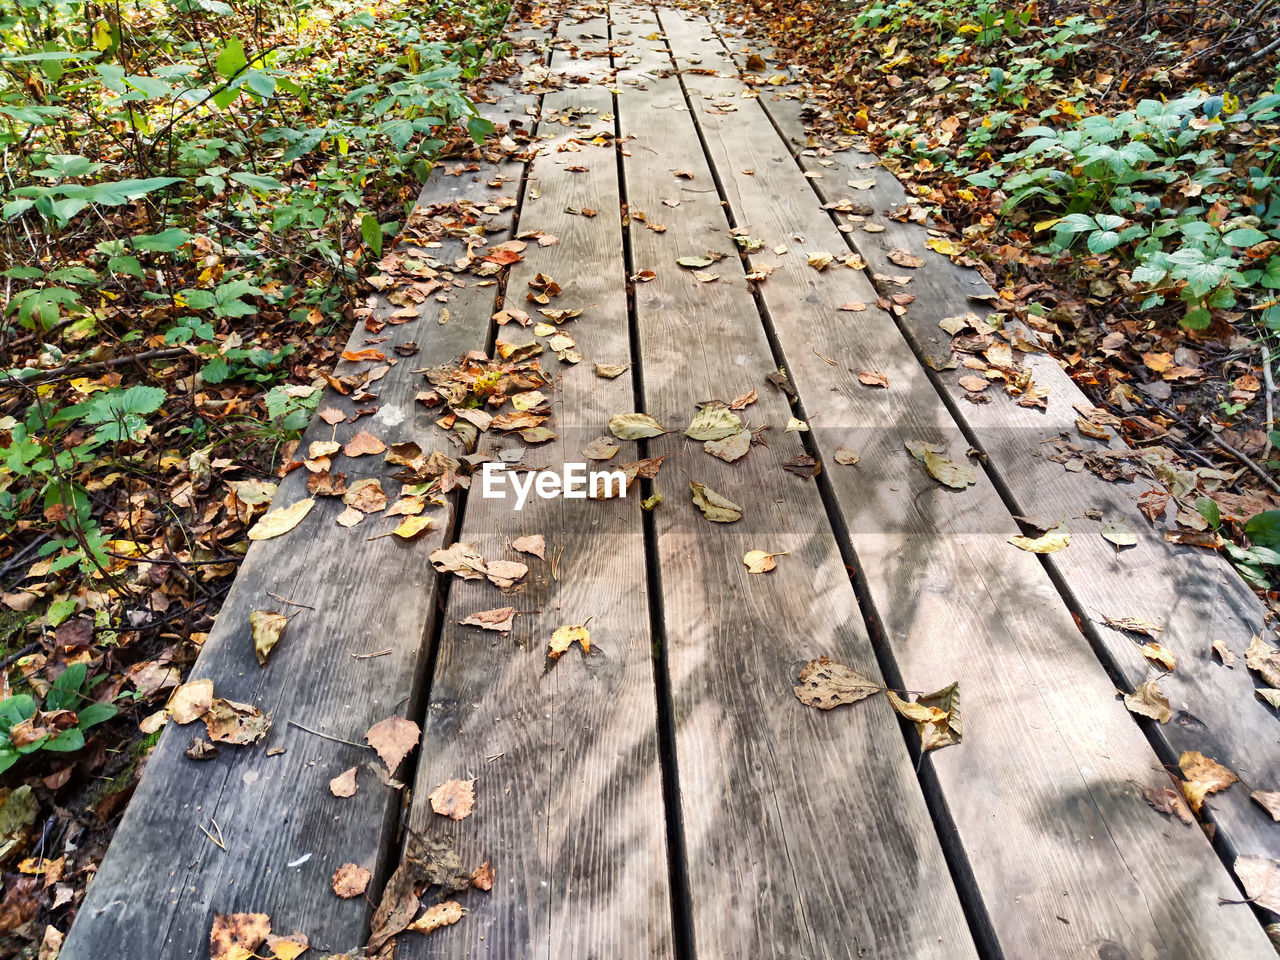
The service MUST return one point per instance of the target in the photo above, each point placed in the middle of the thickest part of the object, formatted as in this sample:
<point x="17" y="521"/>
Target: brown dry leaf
<point x="936" y="716"/>
<point x="731" y="448"/>
<point x="634" y="426"/>
<point x="1160" y="655"/>
<point x="1260" y="878"/>
<point x="845" y="457"/>
<point x="757" y="561"/>
<point x="454" y="799"/>
<point x="743" y="400"/>
<point x="974" y="384"/>
<point x="853" y="306"/>
<point x="873" y="378"/>
<point x="237" y="723"/>
<point x="505" y="573"/>
<point x="398" y="905"/>
<point x="349" y="517"/>
<point x="266" y="627"/>
<point x="499" y="620"/>
<point x="826" y="684"/>
<point x="534" y="544"/>
<point x="363" y="443"/>
<point x="482" y="877"/>
<point x="1149" y="700"/>
<point x="392" y="739"/>
<point x="947" y="472"/>
<point x="716" y="508"/>
<point x="601" y="448"/>
<point x="1169" y="802"/>
<point x="565" y="637"/>
<point x="905" y="258"/>
<point x="350" y="880"/>
<point x="1204" y="776"/>
<point x="611" y="370"/>
<point x="344" y="784"/>
<point x="236" y="936"/>
<point x="1135" y="625"/>
<point x="1269" y="800"/>
<point x="441" y="915"/>
<point x="281" y="521"/>
<point x="460" y="559"/>
<point x="191" y="701"/>
<point x="1263" y="659"/>
<point x="1224" y="653"/>
<point x="366" y="495"/>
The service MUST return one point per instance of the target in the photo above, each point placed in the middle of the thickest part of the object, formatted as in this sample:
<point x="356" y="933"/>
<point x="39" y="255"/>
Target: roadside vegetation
<point x="193" y="193"/>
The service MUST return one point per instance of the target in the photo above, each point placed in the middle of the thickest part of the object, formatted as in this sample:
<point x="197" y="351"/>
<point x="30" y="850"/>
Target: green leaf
<point x="1244" y="237"/>
<point x="232" y="59"/>
<point x="166" y="241"/>
<point x="1208" y="509"/>
<point x="59" y="610"/>
<point x="258" y="182"/>
<point x="371" y="232"/>
<point x="67" y="741"/>
<point x="1263" y="529"/>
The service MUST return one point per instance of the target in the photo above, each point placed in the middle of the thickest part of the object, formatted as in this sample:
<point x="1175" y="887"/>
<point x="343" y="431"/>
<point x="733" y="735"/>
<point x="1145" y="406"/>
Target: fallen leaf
<point x="266" y="627"/>
<point x="236" y="936"/>
<point x="1260" y="878"/>
<point x="826" y="684"/>
<point x="482" y="877"/>
<point x="611" y="370"/>
<point x="1263" y="659"/>
<point x="873" y="378"/>
<point x="237" y="723"/>
<point x="534" y="544"/>
<point x="1119" y="533"/>
<point x="1224" y="653"/>
<point x="731" y="448"/>
<point x="440" y="915"/>
<point x="366" y="495"/>
<point x="795" y="425"/>
<point x="362" y="444"/>
<point x="351" y="880"/>
<point x="1053" y="541"/>
<point x="287" y="948"/>
<point x="601" y="448"/>
<point x="1149" y="700"/>
<point x="410" y="527"/>
<point x="695" y="263"/>
<point x="499" y="620"/>
<point x="1135" y="625"/>
<point x="845" y="457"/>
<point x="714" y="507"/>
<point x="634" y="426"/>
<point x="820" y="261"/>
<point x="1204" y="776"/>
<point x="945" y="471"/>
<point x="943" y="727"/>
<point x="713" y="422"/>
<point x="392" y="739"/>
<point x="744" y="400"/>
<point x="853" y="306"/>
<point x="281" y="521"/>
<point x="565" y="637"/>
<point x="1160" y="655"/>
<point x="460" y="559"/>
<point x="1169" y="802"/>
<point x="398" y="905"/>
<point x="504" y="573"/>
<point x="344" y="784"/>
<point x="758" y="561"/>
<point x="454" y="799"/>
<point x="1269" y="800"/>
<point x="191" y="701"/>
<point x="905" y="258"/>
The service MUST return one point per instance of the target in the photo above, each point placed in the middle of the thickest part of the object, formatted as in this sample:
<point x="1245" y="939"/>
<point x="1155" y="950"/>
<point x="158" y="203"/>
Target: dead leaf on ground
<point x="826" y="684"/>
<point x="873" y="378"/>
<point x="362" y="444"/>
<point x="535" y="544"/>
<point x="236" y="936"/>
<point x="947" y="472"/>
<point x="713" y="422"/>
<point x="398" y="905"/>
<point x="505" y="573"/>
<point x="1135" y="625"/>
<point x="715" y="507"/>
<point x="344" y="784"/>
<point x="266" y="626"/>
<point x="1260" y="878"/>
<point x="440" y="915"/>
<point x="392" y="739"/>
<point x="634" y="426"/>
<point x="460" y="559"/>
<point x="936" y="716"/>
<point x="1051" y="542"/>
<point x="499" y="620"/>
<point x="1263" y="659"/>
<point x="611" y="370"/>
<point x="191" y="701"/>
<point x="454" y="799"/>
<point x="1169" y="802"/>
<point x="731" y="448"/>
<point x="1149" y="700"/>
<point x="1160" y="655"/>
<point x="565" y="637"/>
<point x="351" y="880"/>
<point x="905" y="258"/>
<point x="846" y="457"/>
<point x="236" y="723"/>
<point x="277" y="522"/>
<point x="1269" y="800"/>
<point x="757" y="561"/>
<point x="482" y="877"/>
<point x="1204" y="776"/>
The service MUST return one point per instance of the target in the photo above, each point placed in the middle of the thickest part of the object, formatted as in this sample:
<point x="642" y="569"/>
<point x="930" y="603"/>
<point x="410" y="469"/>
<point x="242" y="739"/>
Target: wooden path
<point x="666" y="794"/>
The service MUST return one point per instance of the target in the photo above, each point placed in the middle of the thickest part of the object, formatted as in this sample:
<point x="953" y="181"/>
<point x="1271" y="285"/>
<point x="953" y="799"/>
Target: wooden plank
<point x="1044" y="792"/>
<point x="769" y="789"/>
<point x="1193" y="593"/>
<point x="162" y="879"/>
<point x="569" y="789"/>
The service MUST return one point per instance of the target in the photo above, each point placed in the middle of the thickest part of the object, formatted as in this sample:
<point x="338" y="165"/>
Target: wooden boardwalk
<point x="666" y="794"/>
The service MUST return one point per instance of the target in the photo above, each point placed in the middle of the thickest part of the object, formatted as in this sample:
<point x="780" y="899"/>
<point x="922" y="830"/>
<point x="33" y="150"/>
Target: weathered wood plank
<point x="1193" y="593"/>
<point x="1044" y="792"/>
<point x="162" y="880"/>
<point x="806" y="832"/>
<point x="569" y="793"/>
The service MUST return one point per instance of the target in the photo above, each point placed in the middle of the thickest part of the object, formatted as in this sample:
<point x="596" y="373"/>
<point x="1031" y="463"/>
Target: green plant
<point x="57" y="725"/>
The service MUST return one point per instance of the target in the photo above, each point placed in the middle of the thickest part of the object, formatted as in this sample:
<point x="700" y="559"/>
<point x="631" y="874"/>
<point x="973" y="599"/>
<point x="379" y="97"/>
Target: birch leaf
<point x="634" y="426"/>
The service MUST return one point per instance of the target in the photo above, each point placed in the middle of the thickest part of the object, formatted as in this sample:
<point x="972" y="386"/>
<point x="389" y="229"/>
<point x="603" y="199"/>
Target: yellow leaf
<point x="267" y="626"/>
<point x="566" y="637"/>
<point x="942" y="245"/>
<point x="277" y="522"/>
<point x="410" y="527"/>
<point x="1053" y="541"/>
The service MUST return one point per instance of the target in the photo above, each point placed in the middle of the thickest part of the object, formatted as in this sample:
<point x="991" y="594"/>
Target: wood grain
<point x="569" y="792"/>
<point x="1044" y="792"/>
<point x="806" y="831"/>
<point x="1193" y="593"/>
